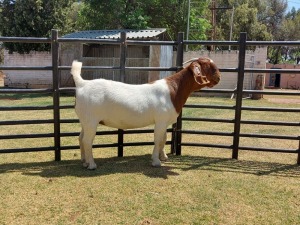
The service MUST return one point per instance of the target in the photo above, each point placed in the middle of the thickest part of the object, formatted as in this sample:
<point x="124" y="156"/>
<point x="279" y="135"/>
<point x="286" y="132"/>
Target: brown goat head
<point x="205" y="71"/>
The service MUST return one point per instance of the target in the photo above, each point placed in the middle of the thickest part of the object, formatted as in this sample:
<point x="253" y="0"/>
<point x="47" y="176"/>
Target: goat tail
<point x="76" y="71"/>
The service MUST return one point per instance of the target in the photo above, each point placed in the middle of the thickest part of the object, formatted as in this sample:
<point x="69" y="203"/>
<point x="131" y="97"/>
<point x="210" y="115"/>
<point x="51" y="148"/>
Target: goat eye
<point x="213" y="71"/>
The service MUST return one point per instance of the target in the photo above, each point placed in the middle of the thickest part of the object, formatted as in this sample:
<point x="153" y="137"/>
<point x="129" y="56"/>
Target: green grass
<point x="203" y="186"/>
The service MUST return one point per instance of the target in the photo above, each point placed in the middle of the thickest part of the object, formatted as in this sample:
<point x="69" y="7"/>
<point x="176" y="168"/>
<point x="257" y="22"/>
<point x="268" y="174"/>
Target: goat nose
<point x="216" y="80"/>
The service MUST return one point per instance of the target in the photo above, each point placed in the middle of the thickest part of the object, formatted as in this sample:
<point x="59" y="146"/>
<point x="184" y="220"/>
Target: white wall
<point x="27" y="78"/>
<point x="43" y="79"/>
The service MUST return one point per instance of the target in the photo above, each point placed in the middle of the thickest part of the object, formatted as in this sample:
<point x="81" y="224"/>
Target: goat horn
<point x="193" y="59"/>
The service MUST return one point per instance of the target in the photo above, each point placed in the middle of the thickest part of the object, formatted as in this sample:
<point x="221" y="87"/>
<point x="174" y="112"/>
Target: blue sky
<point x="293" y="3"/>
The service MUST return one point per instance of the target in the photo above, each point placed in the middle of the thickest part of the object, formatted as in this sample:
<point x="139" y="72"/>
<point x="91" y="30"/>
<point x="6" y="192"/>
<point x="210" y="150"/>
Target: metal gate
<point x="177" y="130"/>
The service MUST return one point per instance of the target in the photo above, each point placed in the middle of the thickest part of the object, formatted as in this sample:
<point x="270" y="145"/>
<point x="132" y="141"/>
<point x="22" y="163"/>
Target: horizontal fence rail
<point x="177" y="129"/>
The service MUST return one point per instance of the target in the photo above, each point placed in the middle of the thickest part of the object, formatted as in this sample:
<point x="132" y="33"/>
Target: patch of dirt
<point x="288" y="99"/>
<point x="284" y="100"/>
<point x="146" y="222"/>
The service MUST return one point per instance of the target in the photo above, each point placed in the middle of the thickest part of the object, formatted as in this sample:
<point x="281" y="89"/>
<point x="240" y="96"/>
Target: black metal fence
<point x="176" y="130"/>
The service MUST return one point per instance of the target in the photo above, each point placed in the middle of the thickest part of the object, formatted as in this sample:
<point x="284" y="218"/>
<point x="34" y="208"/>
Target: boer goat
<point x="126" y="106"/>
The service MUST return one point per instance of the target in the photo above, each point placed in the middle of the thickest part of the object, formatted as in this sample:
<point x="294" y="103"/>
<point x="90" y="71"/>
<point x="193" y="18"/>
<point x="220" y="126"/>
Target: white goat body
<point x="126" y="106"/>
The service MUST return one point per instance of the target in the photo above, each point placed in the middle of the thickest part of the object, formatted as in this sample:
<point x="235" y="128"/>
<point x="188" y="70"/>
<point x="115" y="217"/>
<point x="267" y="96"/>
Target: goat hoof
<point x="85" y="165"/>
<point x="92" y="166"/>
<point x="156" y="163"/>
<point x="163" y="157"/>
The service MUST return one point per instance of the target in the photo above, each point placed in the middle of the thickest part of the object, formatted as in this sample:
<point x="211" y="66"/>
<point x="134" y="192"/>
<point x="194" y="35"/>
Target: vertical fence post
<point x="120" y="142"/>
<point x="298" y="160"/>
<point x="176" y="133"/>
<point x="123" y="51"/>
<point x="56" y="81"/>
<point x="239" y="95"/>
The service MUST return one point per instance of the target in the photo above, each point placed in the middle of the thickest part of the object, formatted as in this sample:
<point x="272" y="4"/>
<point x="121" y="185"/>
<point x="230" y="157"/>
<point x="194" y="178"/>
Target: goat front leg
<point x="86" y="142"/>
<point x="162" y="154"/>
<point x="160" y="137"/>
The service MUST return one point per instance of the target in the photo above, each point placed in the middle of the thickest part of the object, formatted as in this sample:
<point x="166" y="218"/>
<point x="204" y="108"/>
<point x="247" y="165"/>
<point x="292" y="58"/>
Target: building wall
<point x="137" y="56"/>
<point x="165" y="60"/>
<point x="104" y="55"/>
<point x="286" y="81"/>
<point x="71" y="51"/>
<point x="24" y="78"/>
<point x="68" y="52"/>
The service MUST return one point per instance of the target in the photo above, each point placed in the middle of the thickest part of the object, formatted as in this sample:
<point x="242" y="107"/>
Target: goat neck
<point x="181" y="85"/>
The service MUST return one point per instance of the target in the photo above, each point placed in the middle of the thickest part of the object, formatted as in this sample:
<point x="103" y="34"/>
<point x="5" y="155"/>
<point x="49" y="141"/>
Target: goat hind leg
<point x="87" y="143"/>
<point x="82" y="149"/>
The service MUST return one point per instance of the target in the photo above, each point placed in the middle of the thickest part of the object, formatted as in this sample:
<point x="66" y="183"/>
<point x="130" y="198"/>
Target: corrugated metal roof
<point x="115" y="34"/>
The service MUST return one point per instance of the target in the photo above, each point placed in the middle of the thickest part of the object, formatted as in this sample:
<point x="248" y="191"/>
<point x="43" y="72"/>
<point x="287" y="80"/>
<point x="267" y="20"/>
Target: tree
<point x="32" y="18"/>
<point x="266" y="15"/>
<point x="116" y="14"/>
<point x="292" y="14"/>
<point x="72" y="16"/>
<point x="290" y="31"/>
<point x="246" y="19"/>
<point x="141" y="14"/>
<point x="272" y="15"/>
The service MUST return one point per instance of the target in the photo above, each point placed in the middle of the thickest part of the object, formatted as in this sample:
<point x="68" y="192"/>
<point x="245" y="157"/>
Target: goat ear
<point x="196" y="68"/>
<point x="197" y="73"/>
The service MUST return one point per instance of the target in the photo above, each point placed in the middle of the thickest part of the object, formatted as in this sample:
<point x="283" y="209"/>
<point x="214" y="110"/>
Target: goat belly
<point x="135" y="115"/>
<point x="123" y="119"/>
<point x="127" y="123"/>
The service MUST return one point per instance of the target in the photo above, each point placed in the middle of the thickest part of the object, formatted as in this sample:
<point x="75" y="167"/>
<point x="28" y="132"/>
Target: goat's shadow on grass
<point x="127" y="165"/>
<point x="257" y="168"/>
<point x="141" y="164"/>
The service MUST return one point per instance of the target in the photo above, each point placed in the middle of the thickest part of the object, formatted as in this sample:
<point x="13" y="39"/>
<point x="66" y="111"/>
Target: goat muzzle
<point x="201" y="80"/>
